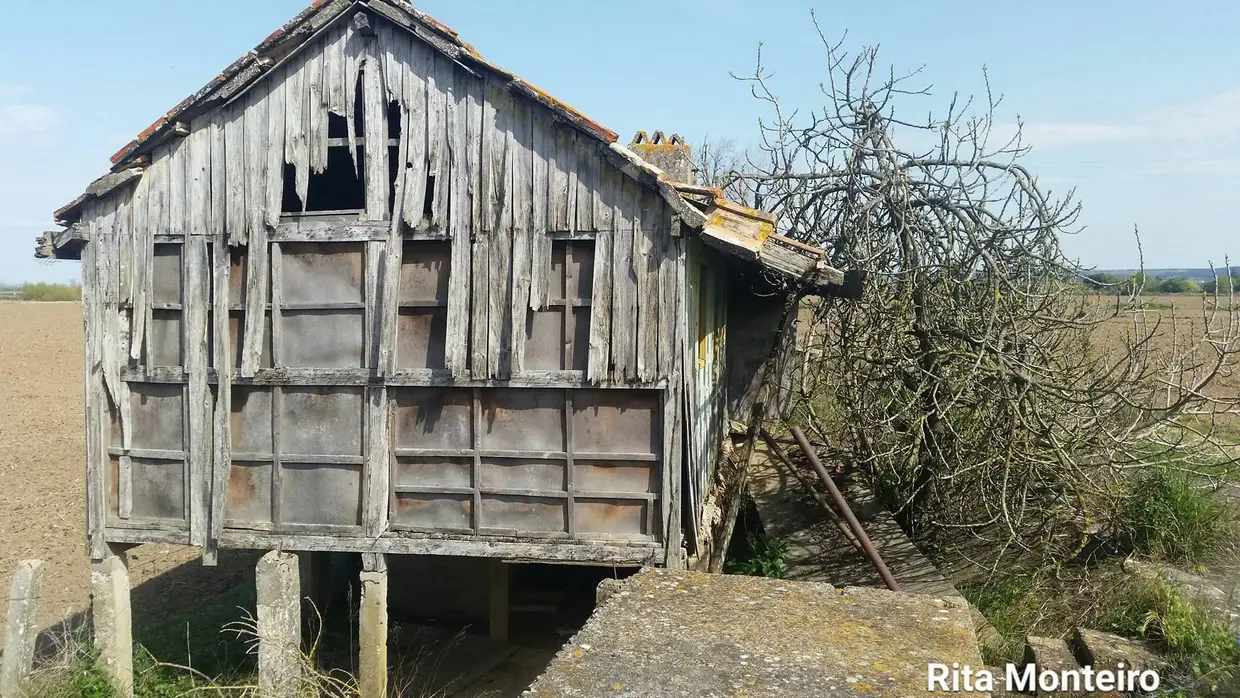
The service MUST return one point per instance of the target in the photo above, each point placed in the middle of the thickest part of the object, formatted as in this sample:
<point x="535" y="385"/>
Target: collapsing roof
<point x="733" y="229"/>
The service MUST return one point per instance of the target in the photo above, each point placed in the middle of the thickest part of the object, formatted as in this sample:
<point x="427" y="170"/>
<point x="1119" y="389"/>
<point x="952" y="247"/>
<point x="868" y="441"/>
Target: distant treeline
<point x="41" y="292"/>
<point x="1108" y="282"/>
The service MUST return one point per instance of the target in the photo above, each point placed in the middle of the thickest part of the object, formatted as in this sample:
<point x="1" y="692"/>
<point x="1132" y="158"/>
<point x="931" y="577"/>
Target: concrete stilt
<point x="372" y="661"/>
<point x="499" y="600"/>
<point x="112" y="618"/>
<point x="279" y="625"/>
<point x="22" y="630"/>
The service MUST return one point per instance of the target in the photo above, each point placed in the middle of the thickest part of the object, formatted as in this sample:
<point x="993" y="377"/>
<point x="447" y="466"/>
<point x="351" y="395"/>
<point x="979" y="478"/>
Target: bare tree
<point x="973" y="381"/>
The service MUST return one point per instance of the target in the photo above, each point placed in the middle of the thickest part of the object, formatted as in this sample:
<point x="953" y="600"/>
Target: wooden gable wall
<point x="193" y="262"/>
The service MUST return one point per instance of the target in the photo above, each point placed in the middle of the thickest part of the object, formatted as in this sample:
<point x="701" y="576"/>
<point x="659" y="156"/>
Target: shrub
<point x="49" y="292"/>
<point x="1169" y="516"/>
<point x="1177" y="285"/>
<point x="763" y="557"/>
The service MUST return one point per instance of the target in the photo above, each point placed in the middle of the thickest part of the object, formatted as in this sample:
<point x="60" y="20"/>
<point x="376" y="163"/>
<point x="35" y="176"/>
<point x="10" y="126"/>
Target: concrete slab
<point x="677" y="633"/>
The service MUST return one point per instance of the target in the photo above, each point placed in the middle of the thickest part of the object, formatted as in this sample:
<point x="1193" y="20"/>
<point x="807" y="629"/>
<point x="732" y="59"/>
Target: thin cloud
<point x="11" y="92"/>
<point x="1212" y="119"/>
<point x="23" y="120"/>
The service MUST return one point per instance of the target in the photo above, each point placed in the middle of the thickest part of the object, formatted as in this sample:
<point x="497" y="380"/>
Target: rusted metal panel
<point x="434" y="512"/>
<point x="158" y="489"/>
<point x="249" y="492"/>
<point x="158" y="416"/>
<point x="433" y="472"/>
<point x="421" y="337"/>
<point x="614" y="517"/>
<point x="613" y="421"/>
<point x="165" y="335"/>
<point x="523" y="474"/>
<point x="166" y="276"/>
<point x="321" y="494"/>
<point x="250" y="422"/>
<point x="544" y="340"/>
<point x="236" y="327"/>
<point x="527" y="420"/>
<point x="324" y="338"/>
<point x="424" y="271"/>
<point x="616" y="476"/>
<point x="321" y="421"/>
<point x="318" y="273"/>
<point x="434" y="418"/>
<point x="524" y="514"/>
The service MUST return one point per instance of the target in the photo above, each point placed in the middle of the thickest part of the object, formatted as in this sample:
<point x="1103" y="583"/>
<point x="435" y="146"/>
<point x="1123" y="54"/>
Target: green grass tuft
<point x="1172" y="518"/>
<point x="761" y="557"/>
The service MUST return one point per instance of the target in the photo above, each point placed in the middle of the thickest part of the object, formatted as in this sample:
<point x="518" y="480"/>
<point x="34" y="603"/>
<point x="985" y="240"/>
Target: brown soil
<point x="42" y="477"/>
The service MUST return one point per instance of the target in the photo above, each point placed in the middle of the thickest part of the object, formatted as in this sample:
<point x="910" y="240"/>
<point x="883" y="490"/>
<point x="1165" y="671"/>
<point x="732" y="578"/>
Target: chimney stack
<point x="668" y="154"/>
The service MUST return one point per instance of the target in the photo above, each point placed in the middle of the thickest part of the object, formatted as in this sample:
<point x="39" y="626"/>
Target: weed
<point x="763" y="556"/>
<point x="1169" y="516"/>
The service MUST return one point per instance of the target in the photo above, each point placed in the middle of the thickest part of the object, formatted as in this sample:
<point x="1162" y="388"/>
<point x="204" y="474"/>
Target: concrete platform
<point x="675" y="633"/>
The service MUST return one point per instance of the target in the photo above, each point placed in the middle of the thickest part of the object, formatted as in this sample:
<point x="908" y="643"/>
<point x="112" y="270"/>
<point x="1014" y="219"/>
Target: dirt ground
<point x="43" y="476"/>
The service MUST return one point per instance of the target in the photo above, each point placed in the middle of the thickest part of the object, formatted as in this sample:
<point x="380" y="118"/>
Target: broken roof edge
<point x="256" y="64"/>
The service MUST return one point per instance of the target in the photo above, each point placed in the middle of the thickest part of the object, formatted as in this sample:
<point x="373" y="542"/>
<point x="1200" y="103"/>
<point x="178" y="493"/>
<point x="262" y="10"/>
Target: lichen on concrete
<point x="677" y="633"/>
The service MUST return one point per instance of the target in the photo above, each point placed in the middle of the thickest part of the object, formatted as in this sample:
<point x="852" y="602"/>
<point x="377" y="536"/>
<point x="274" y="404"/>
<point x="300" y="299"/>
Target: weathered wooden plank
<point x="95" y="398"/>
<point x="157" y="206"/>
<point x="223" y="363"/>
<point x="219" y="176"/>
<point x="353" y="44"/>
<point x="374" y="104"/>
<point x="606" y="191"/>
<point x="599" y="361"/>
<point x="441" y="110"/>
<point x="646" y="265"/>
<point x="672" y="471"/>
<point x="337" y="93"/>
<point x="273" y="201"/>
<point x="256" y="132"/>
<point x="196" y="350"/>
<point x="315" y="116"/>
<point x="588" y="176"/>
<point x="623" y="293"/>
<point x="296" y="130"/>
<point x="236" y="170"/>
<point x="142" y="244"/>
<point x="276" y="263"/>
<point x="564" y="186"/>
<point x="669" y="296"/>
<point x="178" y="161"/>
<point x="199" y="174"/>
<point x="457" y="348"/>
<point x="257" y="292"/>
<point x="376" y="471"/>
<point x="522" y="194"/>
<point x="414" y="129"/>
<point x="481" y="123"/>
<point x="499" y="344"/>
<point x="543" y="153"/>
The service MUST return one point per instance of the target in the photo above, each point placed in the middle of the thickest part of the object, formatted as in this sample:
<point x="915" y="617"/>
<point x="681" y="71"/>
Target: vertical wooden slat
<point x="223" y="362"/>
<point x="296" y="130"/>
<point x="646" y="265"/>
<point x="456" y="350"/>
<point x="237" y="223"/>
<point x="178" y="156"/>
<point x="376" y="477"/>
<point x="587" y="183"/>
<point x="624" y="291"/>
<point x="315" y="116"/>
<point x="481" y="123"/>
<point x="143" y="250"/>
<point x="277" y="392"/>
<point x="607" y="182"/>
<point x="687" y="338"/>
<point x="522" y="194"/>
<point x="257" y="271"/>
<point x="352" y="66"/>
<point x="337" y="93"/>
<point x="600" y="310"/>
<point x="219" y="175"/>
<point x="374" y="104"/>
<point x="197" y="295"/>
<point x="476" y="471"/>
<point x="199" y="176"/>
<point x="95" y="398"/>
<point x="414" y="78"/>
<point x="541" y="144"/>
<point x="499" y="345"/>
<point x="570" y="484"/>
<point x="668" y="295"/>
<point x="438" y="68"/>
<point x="565" y="184"/>
<point x="273" y="202"/>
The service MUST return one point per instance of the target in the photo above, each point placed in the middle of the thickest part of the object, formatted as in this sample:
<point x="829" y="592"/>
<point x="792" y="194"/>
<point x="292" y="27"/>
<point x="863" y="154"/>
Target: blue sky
<point x="1135" y="104"/>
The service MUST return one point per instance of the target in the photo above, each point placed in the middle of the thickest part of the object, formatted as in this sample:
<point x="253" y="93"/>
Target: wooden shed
<point x="368" y="292"/>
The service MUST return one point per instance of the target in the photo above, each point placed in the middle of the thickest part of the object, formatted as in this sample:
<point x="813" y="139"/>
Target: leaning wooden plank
<point x="142" y="243"/>
<point x="374" y="123"/>
<point x="236" y="169"/>
<point x="376" y="471"/>
<point x="352" y="67"/>
<point x="95" y="400"/>
<point x="197" y="296"/>
<point x="221" y="464"/>
<point x="522" y="194"/>
<point x="457" y="348"/>
<point x="599" y="360"/>
<point x="540" y="245"/>
<point x="273" y="202"/>
<point x="499" y="344"/>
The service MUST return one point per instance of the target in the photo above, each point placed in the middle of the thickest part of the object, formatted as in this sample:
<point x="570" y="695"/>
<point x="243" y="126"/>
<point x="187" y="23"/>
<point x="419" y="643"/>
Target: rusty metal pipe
<point x="773" y="444"/>
<point x="838" y="497"/>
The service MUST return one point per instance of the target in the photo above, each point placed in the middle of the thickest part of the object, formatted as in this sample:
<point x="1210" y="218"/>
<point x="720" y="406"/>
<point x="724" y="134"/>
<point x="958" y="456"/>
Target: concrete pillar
<point x="279" y="625"/>
<point x="372" y="618"/>
<point x="499" y="600"/>
<point x="22" y="630"/>
<point x="112" y="618"/>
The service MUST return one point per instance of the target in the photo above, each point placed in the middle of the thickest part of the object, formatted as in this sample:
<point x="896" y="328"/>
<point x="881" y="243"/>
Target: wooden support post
<point x="499" y="600"/>
<point x="22" y="630"/>
<point x="279" y="625"/>
<point x="372" y="618"/>
<point x="113" y="619"/>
